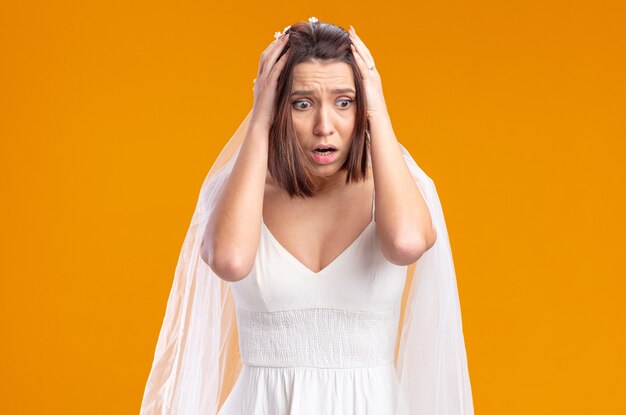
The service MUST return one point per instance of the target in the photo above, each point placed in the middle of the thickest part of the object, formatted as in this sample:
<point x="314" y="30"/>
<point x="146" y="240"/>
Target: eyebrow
<point x="334" y="91"/>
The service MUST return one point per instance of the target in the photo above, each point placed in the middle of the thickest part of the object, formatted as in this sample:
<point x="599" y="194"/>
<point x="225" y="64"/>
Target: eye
<point x="348" y="101"/>
<point x="303" y="105"/>
<point x="296" y="105"/>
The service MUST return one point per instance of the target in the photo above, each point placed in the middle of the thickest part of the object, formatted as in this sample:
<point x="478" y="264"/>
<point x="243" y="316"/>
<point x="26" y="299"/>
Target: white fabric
<point x="311" y="391"/>
<point x="318" y="342"/>
<point x="198" y="347"/>
<point x="318" y="337"/>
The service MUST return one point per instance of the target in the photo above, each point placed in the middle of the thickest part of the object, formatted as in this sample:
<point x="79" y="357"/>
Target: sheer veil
<point x="197" y="359"/>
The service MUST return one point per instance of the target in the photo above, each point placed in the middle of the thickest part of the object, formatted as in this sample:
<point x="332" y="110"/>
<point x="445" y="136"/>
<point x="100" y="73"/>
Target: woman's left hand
<point x="371" y="78"/>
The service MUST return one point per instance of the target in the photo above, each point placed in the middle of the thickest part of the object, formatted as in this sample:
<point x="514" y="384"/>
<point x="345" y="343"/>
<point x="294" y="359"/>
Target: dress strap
<point x="373" y="203"/>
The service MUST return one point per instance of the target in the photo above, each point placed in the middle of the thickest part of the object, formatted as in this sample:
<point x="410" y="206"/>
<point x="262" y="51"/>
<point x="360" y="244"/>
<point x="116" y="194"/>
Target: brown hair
<point x="287" y="161"/>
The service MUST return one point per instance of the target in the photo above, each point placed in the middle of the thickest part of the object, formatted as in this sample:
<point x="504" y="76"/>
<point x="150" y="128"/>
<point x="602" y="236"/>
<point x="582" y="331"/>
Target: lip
<point x="324" y="159"/>
<point x="325" y="146"/>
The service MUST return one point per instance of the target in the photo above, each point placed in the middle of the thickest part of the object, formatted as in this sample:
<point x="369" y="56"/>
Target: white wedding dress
<point x="318" y="342"/>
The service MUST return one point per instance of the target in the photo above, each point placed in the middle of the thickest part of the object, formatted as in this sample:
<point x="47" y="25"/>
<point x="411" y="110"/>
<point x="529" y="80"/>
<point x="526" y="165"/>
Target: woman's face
<point x="323" y="111"/>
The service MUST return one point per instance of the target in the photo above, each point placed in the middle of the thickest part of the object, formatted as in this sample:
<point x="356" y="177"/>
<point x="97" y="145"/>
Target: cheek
<point x="347" y="124"/>
<point x="349" y="117"/>
<point x="302" y="124"/>
<point x="297" y="122"/>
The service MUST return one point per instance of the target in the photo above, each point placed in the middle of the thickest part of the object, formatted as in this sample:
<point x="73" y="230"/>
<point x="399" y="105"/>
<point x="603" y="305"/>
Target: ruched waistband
<point x="318" y="337"/>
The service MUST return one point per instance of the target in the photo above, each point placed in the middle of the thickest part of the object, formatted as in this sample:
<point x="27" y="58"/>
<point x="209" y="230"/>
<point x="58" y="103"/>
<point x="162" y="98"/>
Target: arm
<point x="231" y="237"/>
<point x="233" y="230"/>
<point x="403" y="223"/>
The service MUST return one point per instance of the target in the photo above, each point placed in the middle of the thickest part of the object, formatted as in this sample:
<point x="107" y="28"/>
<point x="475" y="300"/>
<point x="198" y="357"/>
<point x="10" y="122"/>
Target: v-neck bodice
<point x="326" y="268"/>
<point x="359" y="277"/>
<point x="337" y="258"/>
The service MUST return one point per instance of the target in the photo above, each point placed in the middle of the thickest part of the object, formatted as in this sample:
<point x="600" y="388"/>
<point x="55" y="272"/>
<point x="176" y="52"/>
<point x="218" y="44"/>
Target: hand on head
<point x="267" y="79"/>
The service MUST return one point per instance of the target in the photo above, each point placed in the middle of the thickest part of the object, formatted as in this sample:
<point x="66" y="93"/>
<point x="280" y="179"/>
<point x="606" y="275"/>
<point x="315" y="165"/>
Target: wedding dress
<point x="318" y="342"/>
<point x="286" y="340"/>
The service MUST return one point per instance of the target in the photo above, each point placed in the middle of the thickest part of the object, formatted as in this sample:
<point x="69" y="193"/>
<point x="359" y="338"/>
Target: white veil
<point x="197" y="357"/>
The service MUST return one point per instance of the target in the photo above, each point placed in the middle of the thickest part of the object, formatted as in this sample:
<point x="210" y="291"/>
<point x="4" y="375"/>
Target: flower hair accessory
<point x="278" y="34"/>
<point x="312" y="20"/>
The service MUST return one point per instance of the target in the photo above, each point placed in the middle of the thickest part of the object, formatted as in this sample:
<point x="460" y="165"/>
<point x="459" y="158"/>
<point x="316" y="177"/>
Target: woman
<point x="304" y="231"/>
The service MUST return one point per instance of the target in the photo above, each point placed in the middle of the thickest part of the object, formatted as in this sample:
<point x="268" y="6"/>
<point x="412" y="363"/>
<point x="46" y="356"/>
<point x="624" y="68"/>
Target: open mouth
<point x="325" y="151"/>
<point x="324" y="154"/>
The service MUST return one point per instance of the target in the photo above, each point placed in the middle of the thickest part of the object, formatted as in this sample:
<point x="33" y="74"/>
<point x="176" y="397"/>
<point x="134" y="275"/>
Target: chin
<point x="328" y="171"/>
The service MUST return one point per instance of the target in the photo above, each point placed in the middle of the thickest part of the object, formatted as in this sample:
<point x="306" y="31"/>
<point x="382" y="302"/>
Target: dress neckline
<point x="304" y="267"/>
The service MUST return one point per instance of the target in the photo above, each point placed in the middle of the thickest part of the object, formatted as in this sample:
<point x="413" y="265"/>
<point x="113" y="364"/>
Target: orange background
<point x="112" y="113"/>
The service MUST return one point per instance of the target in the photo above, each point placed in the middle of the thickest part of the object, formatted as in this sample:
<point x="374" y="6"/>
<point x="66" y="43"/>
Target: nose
<point x="323" y="122"/>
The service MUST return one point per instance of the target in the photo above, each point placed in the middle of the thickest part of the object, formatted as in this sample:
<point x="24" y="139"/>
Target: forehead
<point x="322" y="75"/>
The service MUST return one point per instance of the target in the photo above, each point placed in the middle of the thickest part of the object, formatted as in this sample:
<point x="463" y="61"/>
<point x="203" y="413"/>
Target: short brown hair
<point x="287" y="161"/>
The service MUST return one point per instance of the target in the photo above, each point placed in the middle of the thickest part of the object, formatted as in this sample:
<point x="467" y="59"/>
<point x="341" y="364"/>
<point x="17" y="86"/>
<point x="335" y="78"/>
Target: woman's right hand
<point x="266" y="81"/>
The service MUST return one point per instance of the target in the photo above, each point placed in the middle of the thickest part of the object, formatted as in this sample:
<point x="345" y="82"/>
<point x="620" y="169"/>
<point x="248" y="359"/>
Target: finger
<point x="363" y="50"/>
<point x="264" y="55"/>
<point x="357" y="45"/>
<point x="356" y="37"/>
<point x="273" y="52"/>
<point x="368" y="62"/>
<point x="273" y="56"/>
<point x="360" y="62"/>
<point x="278" y="68"/>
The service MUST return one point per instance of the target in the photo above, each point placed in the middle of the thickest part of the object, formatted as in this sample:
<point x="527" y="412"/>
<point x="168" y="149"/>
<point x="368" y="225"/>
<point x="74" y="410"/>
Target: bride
<point x="288" y="294"/>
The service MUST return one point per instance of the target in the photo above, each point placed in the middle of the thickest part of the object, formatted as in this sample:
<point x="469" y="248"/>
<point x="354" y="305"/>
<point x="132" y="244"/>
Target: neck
<point x="328" y="184"/>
